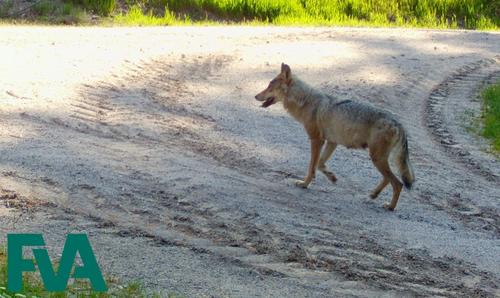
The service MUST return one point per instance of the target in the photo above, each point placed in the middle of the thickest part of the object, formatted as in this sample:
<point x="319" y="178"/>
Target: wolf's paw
<point x="373" y="195"/>
<point x="300" y="183"/>
<point x="331" y="177"/>
<point x="388" y="207"/>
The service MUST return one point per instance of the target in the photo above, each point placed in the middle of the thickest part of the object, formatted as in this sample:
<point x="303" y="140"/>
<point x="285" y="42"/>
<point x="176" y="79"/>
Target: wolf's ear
<point x="286" y="72"/>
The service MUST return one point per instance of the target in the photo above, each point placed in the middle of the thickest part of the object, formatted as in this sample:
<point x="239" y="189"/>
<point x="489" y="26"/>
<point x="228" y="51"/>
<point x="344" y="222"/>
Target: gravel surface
<point x="150" y="141"/>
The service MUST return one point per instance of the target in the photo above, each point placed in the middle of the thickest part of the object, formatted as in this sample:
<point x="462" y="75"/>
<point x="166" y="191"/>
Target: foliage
<point x="5" y="8"/>
<point x="469" y="14"/>
<point x="483" y="14"/>
<point x="58" y="12"/>
<point x="135" y="16"/>
<point x="100" y="7"/>
<point x="491" y="114"/>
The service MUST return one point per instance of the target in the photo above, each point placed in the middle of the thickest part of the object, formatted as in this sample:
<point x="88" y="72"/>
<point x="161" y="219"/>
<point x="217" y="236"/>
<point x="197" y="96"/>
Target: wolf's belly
<point x="350" y="137"/>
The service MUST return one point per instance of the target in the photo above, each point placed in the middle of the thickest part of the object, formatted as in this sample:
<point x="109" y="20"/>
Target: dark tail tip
<point x="407" y="183"/>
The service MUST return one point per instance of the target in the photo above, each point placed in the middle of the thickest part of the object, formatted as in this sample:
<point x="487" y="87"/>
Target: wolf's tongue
<point x="268" y="102"/>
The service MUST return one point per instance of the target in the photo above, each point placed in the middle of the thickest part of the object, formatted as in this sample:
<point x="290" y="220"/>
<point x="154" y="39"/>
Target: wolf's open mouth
<point x="268" y="102"/>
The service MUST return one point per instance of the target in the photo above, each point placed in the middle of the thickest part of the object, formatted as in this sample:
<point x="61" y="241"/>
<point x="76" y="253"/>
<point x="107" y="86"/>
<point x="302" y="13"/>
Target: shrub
<point x="100" y="7"/>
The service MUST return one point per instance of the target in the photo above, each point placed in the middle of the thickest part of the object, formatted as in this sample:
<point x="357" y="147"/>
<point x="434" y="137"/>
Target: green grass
<point x="100" y="7"/>
<point x="48" y="11"/>
<point x="6" y="7"/>
<point x="135" y="16"/>
<point x="32" y="287"/>
<point x="491" y="115"/>
<point x="470" y="14"/>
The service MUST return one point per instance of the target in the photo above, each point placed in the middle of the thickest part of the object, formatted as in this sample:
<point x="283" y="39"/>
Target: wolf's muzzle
<point x="269" y="101"/>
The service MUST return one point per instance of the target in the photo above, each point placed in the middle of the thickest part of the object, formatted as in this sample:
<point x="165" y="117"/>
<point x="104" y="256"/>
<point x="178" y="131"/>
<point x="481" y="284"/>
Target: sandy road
<point x="149" y="140"/>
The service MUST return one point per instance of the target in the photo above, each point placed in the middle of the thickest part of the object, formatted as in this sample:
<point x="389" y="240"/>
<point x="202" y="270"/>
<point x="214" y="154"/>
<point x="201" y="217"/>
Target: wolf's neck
<point x="301" y="94"/>
<point x="300" y="97"/>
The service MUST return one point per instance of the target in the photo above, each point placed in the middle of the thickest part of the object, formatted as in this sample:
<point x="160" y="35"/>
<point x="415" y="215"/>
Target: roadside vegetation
<point x="33" y="287"/>
<point x="469" y="14"/>
<point x="491" y="115"/>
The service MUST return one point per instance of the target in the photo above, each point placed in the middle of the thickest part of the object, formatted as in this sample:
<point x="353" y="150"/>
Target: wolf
<point x="342" y="122"/>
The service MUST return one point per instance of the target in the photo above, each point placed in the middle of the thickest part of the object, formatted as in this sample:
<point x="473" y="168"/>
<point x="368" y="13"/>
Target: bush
<point x="100" y="7"/>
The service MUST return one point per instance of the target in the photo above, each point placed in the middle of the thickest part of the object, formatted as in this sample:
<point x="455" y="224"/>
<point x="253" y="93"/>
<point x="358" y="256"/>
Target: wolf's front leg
<point x="327" y="153"/>
<point x="316" y="146"/>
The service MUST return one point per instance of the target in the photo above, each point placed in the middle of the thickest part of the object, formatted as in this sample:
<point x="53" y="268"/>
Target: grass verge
<point x="33" y="287"/>
<point x="491" y="115"/>
<point x="136" y="16"/>
<point x="469" y="14"/>
<point x="43" y="11"/>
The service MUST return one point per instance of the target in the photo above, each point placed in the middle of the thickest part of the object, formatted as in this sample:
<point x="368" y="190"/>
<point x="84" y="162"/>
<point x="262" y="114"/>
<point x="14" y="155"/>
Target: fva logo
<point x="53" y="281"/>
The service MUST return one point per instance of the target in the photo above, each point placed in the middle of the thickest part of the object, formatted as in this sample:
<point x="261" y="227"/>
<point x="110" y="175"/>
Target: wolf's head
<point x="277" y="89"/>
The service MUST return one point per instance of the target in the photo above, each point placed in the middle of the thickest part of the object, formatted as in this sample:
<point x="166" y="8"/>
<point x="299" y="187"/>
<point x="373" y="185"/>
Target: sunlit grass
<point x="491" y="114"/>
<point x="135" y="16"/>
<point x="469" y="14"/>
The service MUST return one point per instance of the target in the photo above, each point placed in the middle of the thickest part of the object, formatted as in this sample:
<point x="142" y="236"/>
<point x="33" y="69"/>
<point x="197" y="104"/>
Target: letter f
<point x="15" y="262"/>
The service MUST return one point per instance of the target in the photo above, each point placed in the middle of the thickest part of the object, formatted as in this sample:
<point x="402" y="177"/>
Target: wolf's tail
<point x="403" y="160"/>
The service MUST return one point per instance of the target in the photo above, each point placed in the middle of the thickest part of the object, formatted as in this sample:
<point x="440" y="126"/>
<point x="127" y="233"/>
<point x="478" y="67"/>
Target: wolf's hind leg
<point x="379" y="188"/>
<point x="380" y="160"/>
<point x="327" y="153"/>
